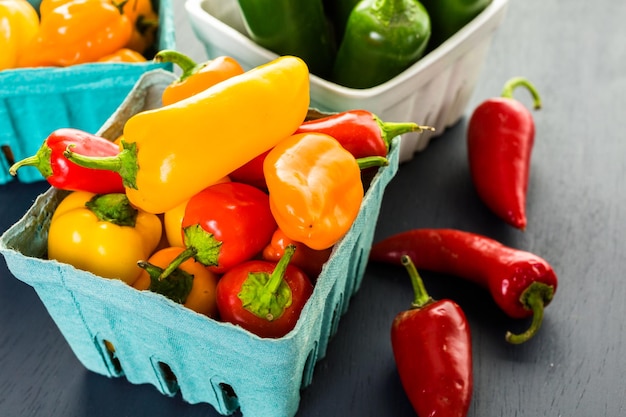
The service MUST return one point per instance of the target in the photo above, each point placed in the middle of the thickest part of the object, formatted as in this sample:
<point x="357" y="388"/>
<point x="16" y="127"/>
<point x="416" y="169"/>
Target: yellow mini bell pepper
<point x="103" y="234"/>
<point x="173" y="152"/>
<point x="76" y="32"/>
<point x="19" y="24"/>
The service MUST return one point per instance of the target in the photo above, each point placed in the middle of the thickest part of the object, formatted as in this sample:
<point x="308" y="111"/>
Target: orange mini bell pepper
<point x="173" y="152"/>
<point x="76" y="32"/>
<point x="195" y="77"/>
<point x="145" y="24"/>
<point x="19" y="24"/>
<point x="123" y="55"/>
<point x="315" y="188"/>
<point x="191" y="284"/>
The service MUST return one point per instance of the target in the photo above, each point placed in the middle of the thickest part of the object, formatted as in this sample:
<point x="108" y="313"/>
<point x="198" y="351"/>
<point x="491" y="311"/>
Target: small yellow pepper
<point x="76" y="32"/>
<point x="173" y="152"/>
<point x="103" y="234"/>
<point x="19" y="24"/>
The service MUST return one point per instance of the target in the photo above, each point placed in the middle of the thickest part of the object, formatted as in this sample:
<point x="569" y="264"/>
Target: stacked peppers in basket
<point x="69" y="32"/>
<point x="163" y="209"/>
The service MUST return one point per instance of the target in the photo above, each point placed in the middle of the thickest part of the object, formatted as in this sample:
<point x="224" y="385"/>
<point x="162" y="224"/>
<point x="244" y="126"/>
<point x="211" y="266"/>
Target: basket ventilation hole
<point x="228" y="397"/>
<point x="115" y="366"/>
<point x="337" y="311"/>
<point x="8" y="154"/>
<point x="169" y="382"/>
<point x="309" y="366"/>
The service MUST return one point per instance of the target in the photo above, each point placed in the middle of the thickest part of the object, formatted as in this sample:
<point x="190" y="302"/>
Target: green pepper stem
<point x="421" y="295"/>
<point x="41" y="161"/>
<point x="513" y="83"/>
<point x="124" y="163"/>
<point x="113" y="208"/>
<point x="372" y="161"/>
<point x="267" y="295"/>
<point x="188" y="253"/>
<point x="390" y="130"/>
<point x="534" y="298"/>
<point x="186" y="64"/>
<point x="276" y="278"/>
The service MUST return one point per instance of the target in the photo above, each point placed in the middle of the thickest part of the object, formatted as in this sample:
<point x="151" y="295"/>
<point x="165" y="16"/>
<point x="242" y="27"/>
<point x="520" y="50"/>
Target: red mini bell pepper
<point x="63" y="174"/>
<point x="224" y="225"/>
<point x="521" y="283"/>
<point x="309" y="260"/>
<point x="500" y="138"/>
<point x="432" y="348"/>
<point x="265" y="298"/>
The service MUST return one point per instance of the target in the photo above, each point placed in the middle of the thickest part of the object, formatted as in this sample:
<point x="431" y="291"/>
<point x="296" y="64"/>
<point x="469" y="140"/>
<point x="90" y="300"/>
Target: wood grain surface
<point x="575" y="367"/>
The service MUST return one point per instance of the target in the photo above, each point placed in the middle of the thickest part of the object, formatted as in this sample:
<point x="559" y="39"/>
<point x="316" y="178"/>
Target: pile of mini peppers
<point x="356" y="43"/>
<point x="162" y="209"/>
<point x="62" y="33"/>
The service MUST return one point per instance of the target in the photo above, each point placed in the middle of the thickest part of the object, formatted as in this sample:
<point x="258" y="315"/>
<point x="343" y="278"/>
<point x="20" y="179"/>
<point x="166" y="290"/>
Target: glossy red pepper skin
<point x="252" y="172"/>
<point x="272" y="308"/>
<point x="309" y="260"/>
<point x="236" y="217"/>
<point x="521" y="283"/>
<point x="432" y="348"/>
<point x="63" y="174"/>
<point x="500" y="139"/>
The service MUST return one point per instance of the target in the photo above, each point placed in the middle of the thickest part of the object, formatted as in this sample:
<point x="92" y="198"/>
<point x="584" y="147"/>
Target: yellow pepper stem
<point x="114" y="208"/>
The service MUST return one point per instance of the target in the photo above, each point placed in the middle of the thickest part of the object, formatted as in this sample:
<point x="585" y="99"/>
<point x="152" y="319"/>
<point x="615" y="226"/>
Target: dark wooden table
<point x="575" y="367"/>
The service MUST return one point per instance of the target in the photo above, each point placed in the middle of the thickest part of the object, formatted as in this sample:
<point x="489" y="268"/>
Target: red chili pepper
<point x="264" y="297"/>
<point x="500" y="138"/>
<point x="361" y="132"/>
<point x="521" y="283"/>
<point x="432" y="348"/>
<point x="225" y="224"/>
<point x="63" y="174"/>
<point x="309" y="260"/>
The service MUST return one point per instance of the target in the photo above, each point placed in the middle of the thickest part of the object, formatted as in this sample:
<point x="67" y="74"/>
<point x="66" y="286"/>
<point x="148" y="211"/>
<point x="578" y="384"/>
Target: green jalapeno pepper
<point x="448" y="16"/>
<point x="382" y="39"/>
<point x="292" y="27"/>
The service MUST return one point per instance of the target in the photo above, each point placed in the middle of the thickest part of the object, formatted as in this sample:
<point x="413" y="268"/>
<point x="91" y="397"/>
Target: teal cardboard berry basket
<point x="159" y="342"/>
<point x="36" y="101"/>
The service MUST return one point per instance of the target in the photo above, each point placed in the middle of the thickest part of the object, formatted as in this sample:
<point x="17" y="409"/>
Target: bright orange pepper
<point x="19" y="24"/>
<point x="199" y="297"/>
<point x="196" y="77"/>
<point x="77" y="31"/>
<point x="145" y="24"/>
<point x="315" y="188"/>
<point x="123" y="55"/>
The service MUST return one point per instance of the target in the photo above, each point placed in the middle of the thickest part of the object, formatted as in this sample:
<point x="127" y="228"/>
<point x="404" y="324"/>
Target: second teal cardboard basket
<point x="36" y="101"/>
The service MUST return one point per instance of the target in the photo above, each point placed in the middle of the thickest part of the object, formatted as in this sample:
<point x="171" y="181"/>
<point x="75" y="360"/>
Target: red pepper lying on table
<point x="500" y="138"/>
<point x="432" y="348"/>
<point x="521" y="283"/>
<point x="63" y="174"/>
